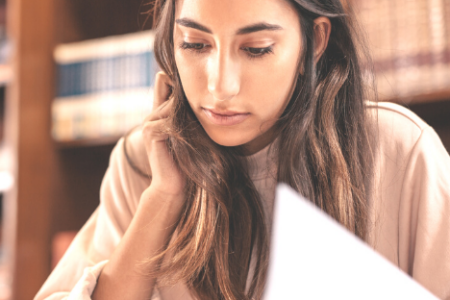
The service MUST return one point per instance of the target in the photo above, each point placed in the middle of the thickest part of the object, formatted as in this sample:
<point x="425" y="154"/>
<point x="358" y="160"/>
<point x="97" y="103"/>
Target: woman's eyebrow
<point x="258" y="27"/>
<point x="192" y="24"/>
<point x="186" y="22"/>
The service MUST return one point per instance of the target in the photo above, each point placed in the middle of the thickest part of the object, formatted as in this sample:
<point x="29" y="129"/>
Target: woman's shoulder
<point x="405" y="142"/>
<point x="398" y="128"/>
<point x="407" y="146"/>
<point x="389" y="114"/>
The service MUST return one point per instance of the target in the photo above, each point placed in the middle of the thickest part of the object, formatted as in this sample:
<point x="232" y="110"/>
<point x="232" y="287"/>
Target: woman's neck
<point x="259" y="142"/>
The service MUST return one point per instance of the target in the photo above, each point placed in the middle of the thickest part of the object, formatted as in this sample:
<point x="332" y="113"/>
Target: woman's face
<point x="237" y="61"/>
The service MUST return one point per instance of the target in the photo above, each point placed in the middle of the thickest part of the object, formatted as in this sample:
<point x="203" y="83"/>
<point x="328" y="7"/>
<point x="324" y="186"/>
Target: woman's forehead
<point x="234" y="14"/>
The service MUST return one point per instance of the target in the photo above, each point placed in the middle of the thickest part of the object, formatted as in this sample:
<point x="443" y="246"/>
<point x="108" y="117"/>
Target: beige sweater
<point x="410" y="213"/>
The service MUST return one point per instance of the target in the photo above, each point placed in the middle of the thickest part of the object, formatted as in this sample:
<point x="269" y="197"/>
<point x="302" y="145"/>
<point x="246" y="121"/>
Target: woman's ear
<point x="322" y="29"/>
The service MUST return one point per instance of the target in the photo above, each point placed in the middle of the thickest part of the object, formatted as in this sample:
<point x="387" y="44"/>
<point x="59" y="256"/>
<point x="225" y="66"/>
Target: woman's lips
<point x="225" y="118"/>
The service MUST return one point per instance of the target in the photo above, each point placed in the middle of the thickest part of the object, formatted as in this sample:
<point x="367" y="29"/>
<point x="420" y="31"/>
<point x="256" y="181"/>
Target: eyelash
<point x="261" y="51"/>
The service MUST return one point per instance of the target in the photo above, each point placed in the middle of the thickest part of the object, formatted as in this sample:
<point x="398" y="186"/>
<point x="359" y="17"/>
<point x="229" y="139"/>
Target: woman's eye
<point x="252" y="52"/>
<point x="257" y="52"/>
<point x="193" y="46"/>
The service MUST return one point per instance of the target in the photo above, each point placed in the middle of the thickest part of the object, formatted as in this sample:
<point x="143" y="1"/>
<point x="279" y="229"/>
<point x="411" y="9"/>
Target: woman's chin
<point x="228" y="140"/>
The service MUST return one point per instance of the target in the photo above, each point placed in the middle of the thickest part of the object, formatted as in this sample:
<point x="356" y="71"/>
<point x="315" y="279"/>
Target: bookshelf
<point x="410" y="46"/>
<point x="57" y="183"/>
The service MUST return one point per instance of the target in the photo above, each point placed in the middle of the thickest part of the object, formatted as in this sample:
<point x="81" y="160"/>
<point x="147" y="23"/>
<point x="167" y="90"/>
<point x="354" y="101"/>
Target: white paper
<point x="314" y="257"/>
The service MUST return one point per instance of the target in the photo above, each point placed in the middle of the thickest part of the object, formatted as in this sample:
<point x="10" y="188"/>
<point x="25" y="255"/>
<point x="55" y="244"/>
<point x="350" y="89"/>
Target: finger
<point x="161" y="112"/>
<point x="154" y="139"/>
<point x="154" y="131"/>
<point x="162" y="89"/>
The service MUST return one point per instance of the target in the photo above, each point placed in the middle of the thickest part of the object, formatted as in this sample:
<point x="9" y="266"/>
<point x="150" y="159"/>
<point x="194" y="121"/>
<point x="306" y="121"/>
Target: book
<point x="104" y="86"/>
<point x="314" y="257"/>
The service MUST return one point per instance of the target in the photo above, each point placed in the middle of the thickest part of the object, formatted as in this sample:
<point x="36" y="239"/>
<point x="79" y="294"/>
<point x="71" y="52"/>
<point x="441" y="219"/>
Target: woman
<point x="253" y="93"/>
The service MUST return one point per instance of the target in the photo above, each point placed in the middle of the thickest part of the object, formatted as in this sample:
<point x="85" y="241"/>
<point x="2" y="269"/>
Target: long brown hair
<point x="324" y="152"/>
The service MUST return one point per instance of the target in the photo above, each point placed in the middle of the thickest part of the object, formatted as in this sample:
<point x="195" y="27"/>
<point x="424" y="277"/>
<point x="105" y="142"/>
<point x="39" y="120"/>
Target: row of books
<point x="104" y="86"/>
<point x="410" y="44"/>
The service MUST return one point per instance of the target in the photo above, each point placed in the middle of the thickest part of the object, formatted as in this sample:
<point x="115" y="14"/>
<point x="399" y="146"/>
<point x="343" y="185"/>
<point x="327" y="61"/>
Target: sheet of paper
<point x="314" y="257"/>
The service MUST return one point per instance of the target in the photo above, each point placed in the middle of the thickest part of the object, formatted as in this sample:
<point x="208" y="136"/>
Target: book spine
<point x="408" y="61"/>
<point x="384" y="29"/>
<point x="436" y="11"/>
<point x="447" y="42"/>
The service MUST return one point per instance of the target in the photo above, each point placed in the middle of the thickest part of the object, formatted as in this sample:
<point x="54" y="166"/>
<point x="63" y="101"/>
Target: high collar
<point x="263" y="163"/>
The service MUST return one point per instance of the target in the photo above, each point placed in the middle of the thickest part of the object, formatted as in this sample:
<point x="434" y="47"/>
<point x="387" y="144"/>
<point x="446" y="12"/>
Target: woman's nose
<point x="223" y="77"/>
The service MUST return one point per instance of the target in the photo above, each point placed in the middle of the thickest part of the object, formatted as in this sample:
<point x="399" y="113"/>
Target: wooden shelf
<point x="81" y="143"/>
<point x="431" y="97"/>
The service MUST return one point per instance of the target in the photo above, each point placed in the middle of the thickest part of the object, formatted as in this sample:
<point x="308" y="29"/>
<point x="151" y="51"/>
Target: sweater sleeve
<point x="75" y="276"/>
<point x="424" y="216"/>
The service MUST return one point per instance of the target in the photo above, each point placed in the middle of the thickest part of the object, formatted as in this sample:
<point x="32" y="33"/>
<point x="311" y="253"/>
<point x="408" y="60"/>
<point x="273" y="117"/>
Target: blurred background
<point x="75" y="75"/>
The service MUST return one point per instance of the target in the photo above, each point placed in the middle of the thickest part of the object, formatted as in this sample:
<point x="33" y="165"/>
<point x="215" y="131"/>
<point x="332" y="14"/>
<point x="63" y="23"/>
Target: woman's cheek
<point x="280" y="86"/>
<point x="271" y="92"/>
<point x="191" y="75"/>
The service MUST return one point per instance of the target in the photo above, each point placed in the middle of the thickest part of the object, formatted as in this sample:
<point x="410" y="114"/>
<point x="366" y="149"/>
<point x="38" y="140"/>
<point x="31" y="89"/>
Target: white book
<point x="127" y="44"/>
<point x="314" y="257"/>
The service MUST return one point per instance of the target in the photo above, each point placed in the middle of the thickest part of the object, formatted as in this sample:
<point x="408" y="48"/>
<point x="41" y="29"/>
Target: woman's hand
<point x="156" y="217"/>
<point x="166" y="178"/>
